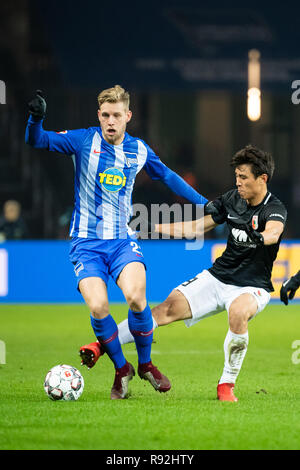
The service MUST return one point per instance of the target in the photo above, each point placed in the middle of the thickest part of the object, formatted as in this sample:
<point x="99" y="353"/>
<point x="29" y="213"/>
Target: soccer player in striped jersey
<point x="106" y="160"/>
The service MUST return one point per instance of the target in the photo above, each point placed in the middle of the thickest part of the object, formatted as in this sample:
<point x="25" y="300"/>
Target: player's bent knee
<point x="169" y="308"/>
<point x="136" y="301"/>
<point x="98" y="309"/>
<point x="172" y="309"/>
<point x="242" y="309"/>
<point x="163" y="313"/>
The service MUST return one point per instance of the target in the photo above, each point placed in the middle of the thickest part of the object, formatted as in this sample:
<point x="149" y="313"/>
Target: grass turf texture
<point x="188" y="417"/>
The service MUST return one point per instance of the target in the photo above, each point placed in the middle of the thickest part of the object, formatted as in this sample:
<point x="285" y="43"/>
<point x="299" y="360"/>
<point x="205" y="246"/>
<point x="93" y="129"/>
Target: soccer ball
<point x="63" y="382"/>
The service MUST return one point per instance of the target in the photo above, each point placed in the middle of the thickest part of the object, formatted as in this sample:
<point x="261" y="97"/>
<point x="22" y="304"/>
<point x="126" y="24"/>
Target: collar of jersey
<point x="262" y="202"/>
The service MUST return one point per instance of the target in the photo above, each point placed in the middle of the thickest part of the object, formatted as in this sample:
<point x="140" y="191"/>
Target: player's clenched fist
<point x="38" y="106"/>
<point x="289" y="287"/>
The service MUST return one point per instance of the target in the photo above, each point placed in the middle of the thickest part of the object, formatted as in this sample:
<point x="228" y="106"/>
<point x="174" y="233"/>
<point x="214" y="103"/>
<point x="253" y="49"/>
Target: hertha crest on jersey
<point x="255" y="222"/>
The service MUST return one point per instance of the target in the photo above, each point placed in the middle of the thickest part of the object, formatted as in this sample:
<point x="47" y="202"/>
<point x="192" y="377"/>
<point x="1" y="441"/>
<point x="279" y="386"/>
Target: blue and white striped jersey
<point x="105" y="176"/>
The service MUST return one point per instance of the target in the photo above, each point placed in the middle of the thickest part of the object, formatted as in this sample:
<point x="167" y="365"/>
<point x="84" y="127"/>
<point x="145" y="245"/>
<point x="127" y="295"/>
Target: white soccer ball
<point x="64" y="382"/>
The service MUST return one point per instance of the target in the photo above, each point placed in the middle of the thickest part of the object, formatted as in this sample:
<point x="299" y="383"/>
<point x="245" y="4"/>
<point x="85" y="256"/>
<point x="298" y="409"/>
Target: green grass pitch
<point x="189" y="417"/>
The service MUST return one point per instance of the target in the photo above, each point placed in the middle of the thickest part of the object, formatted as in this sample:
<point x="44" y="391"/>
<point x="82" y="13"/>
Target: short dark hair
<point x="261" y="162"/>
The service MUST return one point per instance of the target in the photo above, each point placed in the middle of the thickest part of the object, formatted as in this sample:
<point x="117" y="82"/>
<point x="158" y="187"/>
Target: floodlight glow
<point x="254" y="104"/>
<point x="254" y="93"/>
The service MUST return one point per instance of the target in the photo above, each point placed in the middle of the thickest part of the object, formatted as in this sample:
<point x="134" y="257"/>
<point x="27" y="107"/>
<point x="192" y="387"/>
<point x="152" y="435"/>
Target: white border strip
<point x="3" y="273"/>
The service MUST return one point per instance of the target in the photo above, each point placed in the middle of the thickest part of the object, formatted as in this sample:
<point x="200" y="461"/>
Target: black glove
<point x="290" y="286"/>
<point x="255" y="236"/>
<point x="38" y="106"/>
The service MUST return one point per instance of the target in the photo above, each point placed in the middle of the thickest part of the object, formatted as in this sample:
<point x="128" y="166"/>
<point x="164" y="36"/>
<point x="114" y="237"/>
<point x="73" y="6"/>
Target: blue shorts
<point x="103" y="258"/>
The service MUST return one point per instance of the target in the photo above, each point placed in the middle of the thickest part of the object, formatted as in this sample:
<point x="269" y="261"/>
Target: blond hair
<point x="114" y="95"/>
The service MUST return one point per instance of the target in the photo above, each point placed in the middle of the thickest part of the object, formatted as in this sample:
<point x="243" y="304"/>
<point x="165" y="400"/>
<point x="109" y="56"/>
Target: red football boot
<point x="123" y="375"/>
<point x="158" y="381"/>
<point x="90" y="354"/>
<point x="225" y="392"/>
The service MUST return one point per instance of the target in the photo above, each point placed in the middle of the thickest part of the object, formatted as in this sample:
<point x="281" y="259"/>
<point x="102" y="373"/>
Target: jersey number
<point x="136" y="248"/>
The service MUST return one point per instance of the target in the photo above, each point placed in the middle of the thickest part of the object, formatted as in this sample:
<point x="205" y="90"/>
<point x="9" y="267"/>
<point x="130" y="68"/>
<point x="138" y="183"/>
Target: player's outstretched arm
<point x="189" y="229"/>
<point x="67" y="142"/>
<point x="35" y="134"/>
<point x="289" y="288"/>
<point x="213" y="215"/>
<point x="37" y="106"/>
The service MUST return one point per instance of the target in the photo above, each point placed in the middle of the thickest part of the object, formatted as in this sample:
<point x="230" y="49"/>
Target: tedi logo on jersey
<point x="112" y="179"/>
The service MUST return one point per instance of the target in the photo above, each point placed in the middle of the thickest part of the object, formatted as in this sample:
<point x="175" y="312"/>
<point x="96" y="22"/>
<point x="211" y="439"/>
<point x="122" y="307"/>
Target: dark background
<point x="185" y="66"/>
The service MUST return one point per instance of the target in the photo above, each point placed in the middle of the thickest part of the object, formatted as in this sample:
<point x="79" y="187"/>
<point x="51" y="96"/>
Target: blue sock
<point x="106" y="331"/>
<point x="141" y="327"/>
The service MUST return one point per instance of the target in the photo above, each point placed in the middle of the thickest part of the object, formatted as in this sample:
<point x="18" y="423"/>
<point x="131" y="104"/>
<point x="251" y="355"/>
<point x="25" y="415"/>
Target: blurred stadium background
<point x="185" y="66"/>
